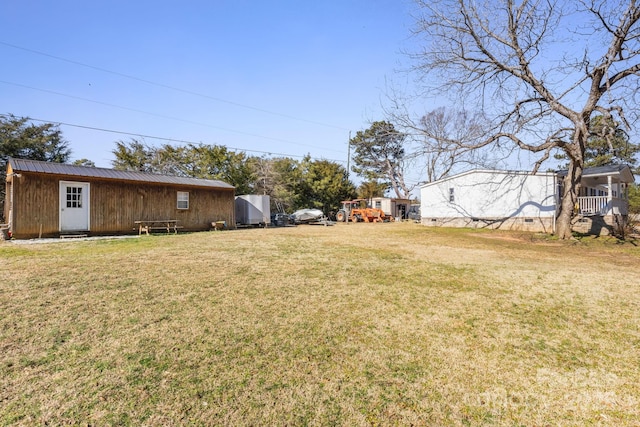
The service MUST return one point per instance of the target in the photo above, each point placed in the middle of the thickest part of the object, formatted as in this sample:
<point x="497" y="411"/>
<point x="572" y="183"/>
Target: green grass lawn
<point x="354" y="325"/>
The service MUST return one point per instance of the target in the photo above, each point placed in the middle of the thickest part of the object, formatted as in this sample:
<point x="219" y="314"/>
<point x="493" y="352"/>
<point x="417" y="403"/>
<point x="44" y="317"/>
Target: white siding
<point x="490" y="194"/>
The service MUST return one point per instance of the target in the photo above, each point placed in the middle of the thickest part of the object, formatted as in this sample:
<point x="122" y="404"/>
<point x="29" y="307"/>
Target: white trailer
<point x="253" y="210"/>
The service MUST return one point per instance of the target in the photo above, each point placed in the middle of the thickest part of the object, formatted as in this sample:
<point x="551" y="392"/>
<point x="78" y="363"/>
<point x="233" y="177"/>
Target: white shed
<point x="491" y="199"/>
<point x="397" y="208"/>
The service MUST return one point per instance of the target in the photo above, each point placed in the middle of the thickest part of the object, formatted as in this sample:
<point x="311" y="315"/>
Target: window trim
<point x="182" y="197"/>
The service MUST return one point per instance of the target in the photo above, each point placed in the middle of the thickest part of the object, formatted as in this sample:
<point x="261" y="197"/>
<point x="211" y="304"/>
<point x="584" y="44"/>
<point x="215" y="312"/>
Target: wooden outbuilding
<point x="46" y="199"/>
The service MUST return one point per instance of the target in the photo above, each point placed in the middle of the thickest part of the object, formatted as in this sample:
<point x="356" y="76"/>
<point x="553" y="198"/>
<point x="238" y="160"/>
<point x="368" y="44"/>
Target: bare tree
<point x="540" y="69"/>
<point x="442" y="141"/>
<point x="444" y="137"/>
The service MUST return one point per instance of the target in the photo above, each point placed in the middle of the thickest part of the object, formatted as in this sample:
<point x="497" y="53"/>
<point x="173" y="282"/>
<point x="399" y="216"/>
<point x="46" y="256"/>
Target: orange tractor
<point x="358" y="211"/>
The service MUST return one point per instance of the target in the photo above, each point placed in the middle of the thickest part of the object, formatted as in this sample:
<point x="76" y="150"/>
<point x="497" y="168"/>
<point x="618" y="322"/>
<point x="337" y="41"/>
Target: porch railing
<point x="600" y="205"/>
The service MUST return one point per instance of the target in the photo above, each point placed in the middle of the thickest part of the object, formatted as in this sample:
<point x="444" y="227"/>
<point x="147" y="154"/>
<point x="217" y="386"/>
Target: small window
<point x="452" y="197"/>
<point x="378" y="204"/>
<point x="183" y="200"/>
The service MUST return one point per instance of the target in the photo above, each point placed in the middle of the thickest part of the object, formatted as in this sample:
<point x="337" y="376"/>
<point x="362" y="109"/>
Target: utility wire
<point x="160" y="138"/>
<point x="161" y="115"/>
<point x="149" y="82"/>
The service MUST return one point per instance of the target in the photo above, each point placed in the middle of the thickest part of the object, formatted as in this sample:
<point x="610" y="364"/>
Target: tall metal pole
<point x="348" y="154"/>
<point x="348" y="214"/>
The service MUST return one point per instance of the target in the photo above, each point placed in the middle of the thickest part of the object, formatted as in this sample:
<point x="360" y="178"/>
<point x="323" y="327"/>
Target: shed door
<point x="74" y="206"/>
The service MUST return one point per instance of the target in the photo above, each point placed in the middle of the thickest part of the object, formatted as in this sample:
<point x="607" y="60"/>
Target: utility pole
<point x="348" y="154"/>
<point x="348" y="161"/>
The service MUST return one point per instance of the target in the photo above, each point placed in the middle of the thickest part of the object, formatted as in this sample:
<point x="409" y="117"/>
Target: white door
<point x="74" y="206"/>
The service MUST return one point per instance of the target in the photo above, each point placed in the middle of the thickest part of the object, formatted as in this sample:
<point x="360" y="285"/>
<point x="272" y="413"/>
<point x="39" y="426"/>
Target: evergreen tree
<point x="380" y="156"/>
<point x="22" y="139"/>
<point x="607" y="144"/>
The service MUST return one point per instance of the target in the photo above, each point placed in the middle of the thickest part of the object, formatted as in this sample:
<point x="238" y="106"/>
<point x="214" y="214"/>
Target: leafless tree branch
<point x="539" y="69"/>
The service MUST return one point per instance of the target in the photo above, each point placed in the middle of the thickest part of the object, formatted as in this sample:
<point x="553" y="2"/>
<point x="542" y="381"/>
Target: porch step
<point x="72" y="236"/>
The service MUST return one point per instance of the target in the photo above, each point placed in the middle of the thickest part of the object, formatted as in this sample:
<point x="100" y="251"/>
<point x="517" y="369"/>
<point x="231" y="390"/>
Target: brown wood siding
<point x="7" y="194"/>
<point x="35" y="206"/>
<point x="7" y="202"/>
<point x="114" y="206"/>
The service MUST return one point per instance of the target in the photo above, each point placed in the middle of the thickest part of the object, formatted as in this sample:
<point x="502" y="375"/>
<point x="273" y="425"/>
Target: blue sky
<point x="283" y="77"/>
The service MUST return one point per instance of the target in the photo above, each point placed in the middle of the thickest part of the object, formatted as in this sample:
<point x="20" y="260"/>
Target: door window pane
<point x="74" y="197"/>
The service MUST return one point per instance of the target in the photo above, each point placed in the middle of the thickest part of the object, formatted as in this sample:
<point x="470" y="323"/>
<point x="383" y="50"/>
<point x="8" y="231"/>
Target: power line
<point x="162" y="85"/>
<point x="160" y="138"/>
<point x="161" y="115"/>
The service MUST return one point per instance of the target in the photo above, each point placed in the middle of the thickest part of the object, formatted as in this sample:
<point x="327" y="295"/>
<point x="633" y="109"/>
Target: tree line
<point x="292" y="184"/>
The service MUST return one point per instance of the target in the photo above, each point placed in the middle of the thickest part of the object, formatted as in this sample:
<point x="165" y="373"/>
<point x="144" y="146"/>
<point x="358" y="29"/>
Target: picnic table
<point x="157" y="224"/>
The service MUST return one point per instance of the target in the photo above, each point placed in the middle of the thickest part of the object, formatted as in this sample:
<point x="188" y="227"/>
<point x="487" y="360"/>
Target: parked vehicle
<point x="282" y="219"/>
<point x="414" y="213"/>
<point x="357" y="211"/>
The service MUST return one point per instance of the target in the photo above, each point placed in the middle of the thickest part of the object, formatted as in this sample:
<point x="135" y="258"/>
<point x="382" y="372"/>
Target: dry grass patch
<point x="359" y="324"/>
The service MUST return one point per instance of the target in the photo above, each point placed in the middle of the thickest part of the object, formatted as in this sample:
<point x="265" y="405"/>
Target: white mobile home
<point x="492" y="199"/>
<point x="518" y="200"/>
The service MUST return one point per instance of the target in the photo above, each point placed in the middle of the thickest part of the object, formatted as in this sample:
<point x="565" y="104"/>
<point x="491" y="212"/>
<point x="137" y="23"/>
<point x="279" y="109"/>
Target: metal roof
<point x="490" y="172"/>
<point x="24" y="165"/>
<point x="624" y="171"/>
